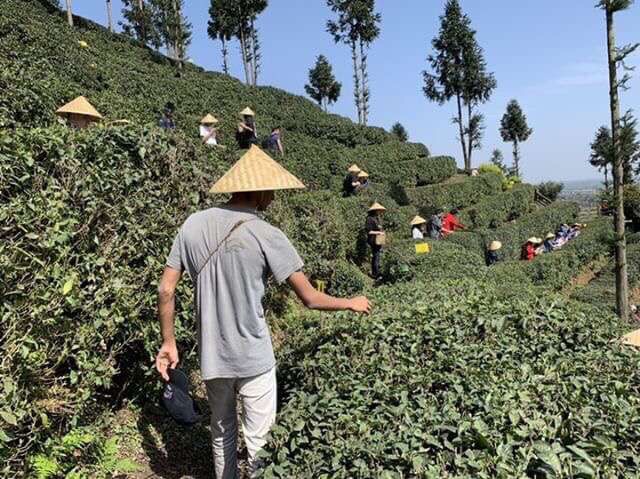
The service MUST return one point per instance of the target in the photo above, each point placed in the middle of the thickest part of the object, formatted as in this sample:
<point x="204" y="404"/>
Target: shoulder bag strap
<point x="235" y="227"/>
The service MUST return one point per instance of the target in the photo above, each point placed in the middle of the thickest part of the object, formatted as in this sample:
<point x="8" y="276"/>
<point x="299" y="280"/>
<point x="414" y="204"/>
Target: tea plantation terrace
<point x="461" y="371"/>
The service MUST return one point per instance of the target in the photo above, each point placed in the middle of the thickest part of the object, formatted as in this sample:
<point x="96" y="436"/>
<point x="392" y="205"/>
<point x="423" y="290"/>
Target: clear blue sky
<point x="548" y="54"/>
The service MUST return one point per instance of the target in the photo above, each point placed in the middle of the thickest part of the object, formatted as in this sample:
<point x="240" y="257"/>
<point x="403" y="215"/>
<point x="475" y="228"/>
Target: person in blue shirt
<point x="166" y="121"/>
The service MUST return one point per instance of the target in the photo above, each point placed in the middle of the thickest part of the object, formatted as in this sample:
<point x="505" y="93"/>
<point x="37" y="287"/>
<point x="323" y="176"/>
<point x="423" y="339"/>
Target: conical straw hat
<point x="632" y="339"/>
<point x="79" y="106"/>
<point x="534" y="240"/>
<point x="354" y="169"/>
<point x="495" y="246"/>
<point x="247" y="112"/>
<point x="209" y="119"/>
<point x="256" y="171"/>
<point x="550" y="236"/>
<point x="377" y="207"/>
<point x="418" y="220"/>
<point x="363" y="174"/>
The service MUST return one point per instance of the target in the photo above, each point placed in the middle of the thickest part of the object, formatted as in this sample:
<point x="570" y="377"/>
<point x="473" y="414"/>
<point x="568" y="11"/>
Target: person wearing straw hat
<point x="418" y="227"/>
<point x="375" y="236"/>
<point x="79" y="113"/>
<point x="530" y="249"/>
<point x="229" y="252"/>
<point x="208" y="131"/>
<point x="493" y="253"/>
<point x="351" y="183"/>
<point x="247" y="133"/>
<point x="363" y="180"/>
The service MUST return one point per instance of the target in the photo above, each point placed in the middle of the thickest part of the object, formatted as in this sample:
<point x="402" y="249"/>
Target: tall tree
<point x="497" y="158"/>
<point x="514" y="129"/>
<point x="109" y="16"/>
<point x="601" y="153"/>
<point x="459" y="71"/>
<point x="69" y="13"/>
<point x="175" y="30"/>
<point x="141" y="21"/>
<point x="223" y="25"/>
<point x="243" y="15"/>
<point x="357" y="27"/>
<point x="322" y="86"/>
<point x="400" y="132"/>
<point x="616" y="57"/>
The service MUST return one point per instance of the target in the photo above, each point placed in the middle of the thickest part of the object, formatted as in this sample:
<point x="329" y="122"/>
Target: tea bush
<point x="460" y="195"/>
<point x="459" y="383"/>
<point x="491" y="212"/>
<point x="438" y="169"/>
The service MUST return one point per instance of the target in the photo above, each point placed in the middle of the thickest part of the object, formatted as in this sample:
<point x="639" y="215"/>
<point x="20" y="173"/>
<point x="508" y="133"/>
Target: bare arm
<point x="314" y="299"/>
<point x="168" y="355"/>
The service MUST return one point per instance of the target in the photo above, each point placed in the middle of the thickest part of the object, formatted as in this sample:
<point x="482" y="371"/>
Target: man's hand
<point x="167" y="358"/>
<point x="360" y="304"/>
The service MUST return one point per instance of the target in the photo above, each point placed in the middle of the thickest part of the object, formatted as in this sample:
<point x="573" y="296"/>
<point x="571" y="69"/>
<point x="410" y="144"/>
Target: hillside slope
<point x="462" y="370"/>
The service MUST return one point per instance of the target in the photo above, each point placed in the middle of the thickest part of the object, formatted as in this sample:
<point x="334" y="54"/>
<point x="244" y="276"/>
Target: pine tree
<point x="400" y="132"/>
<point x="514" y="129"/>
<point x="223" y="25"/>
<point x="357" y="27"/>
<point x="616" y="57"/>
<point x="141" y="22"/>
<point x="459" y="71"/>
<point x="322" y="86"/>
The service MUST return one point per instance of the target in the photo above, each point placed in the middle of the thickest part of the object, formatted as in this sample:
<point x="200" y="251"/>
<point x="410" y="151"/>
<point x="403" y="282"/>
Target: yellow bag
<point x="423" y="248"/>
<point x="381" y="239"/>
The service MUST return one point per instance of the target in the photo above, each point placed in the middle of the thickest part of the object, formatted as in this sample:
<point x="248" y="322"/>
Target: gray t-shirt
<point x="233" y="335"/>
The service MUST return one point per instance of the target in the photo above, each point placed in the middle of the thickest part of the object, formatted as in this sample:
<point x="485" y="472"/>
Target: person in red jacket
<point x="450" y="223"/>
<point x="529" y="249"/>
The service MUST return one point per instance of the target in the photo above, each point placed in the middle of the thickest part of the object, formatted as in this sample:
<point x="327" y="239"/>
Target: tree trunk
<point x="462" y="140"/>
<point x="69" y="13"/>
<point x="142" y="25"/>
<point x="179" y="44"/>
<point x="225" y="56"/>
<point x="109" y="16"/>
<point x="622" y="281"/>
<point x="356" y="81"/>
<point x="606" y="178"/>
<point x="254" y="53"/>
<point x="516" y="158"/>
<point x="245" y="62"/>
<point x="365" y="85"/>
<point x="469" y="140"/>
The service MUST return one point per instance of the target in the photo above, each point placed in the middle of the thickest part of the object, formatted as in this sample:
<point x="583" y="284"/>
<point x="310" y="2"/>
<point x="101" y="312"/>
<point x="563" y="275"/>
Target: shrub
<point x="550" y="189"/>
<point x="436" y="170"/>
<point x="347" y="280"/>
<point x="510" y="181"/>
<point x="492" y="211"/>
<point x="462" y="194"/>
<point x="490" y="168"/>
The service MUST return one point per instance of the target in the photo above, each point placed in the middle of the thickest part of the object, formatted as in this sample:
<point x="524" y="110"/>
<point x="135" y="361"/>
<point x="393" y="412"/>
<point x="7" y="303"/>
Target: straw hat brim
<point x="79" y="106"/>
<point x="495" y="246"/>
<point x="550" y="236"/>
<point x="632" y="338"/>
<point x="209" y="120"/>
<point x="418" y="220"/>
<point x="363" y="174"/>
<point x="354" y="169"/>
<point x="534" y="240"/>
<point x="247" y="112"/>
<point x="377" y="207"/>
<point x="256" y="171"/>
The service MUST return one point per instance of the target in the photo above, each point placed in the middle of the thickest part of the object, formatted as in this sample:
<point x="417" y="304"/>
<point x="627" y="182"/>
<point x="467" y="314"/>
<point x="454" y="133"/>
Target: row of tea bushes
<point x="460" y="194"/>
<point x="491" y="212"/>
<point x="473" y="384"/>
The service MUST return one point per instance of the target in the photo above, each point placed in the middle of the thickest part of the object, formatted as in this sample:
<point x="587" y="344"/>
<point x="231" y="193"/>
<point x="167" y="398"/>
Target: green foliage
<point x="322" y="86"/>
<point x="347" y="280"/>
<point x="497" y="159"/>
<point x="436" y="170"/>
<point x="550" y="189"/>
<point x="462" y="194"/>
<point x="494" y="210"/>
<point x="514" y="129"/>
<point x="476" y="386"/>
<point x="490" y="168"/>
<point x="83" y="452"/>
<point x="141" y="23"/>
<point x="400" y="131"/>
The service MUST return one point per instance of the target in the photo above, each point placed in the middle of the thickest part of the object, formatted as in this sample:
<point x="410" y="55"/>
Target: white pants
<point x="258" y="396"/>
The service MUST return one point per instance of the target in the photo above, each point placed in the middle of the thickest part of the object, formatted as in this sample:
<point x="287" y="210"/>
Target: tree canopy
<point x="514" y="129"/>
<point x="322" y="86"/>
<point x="400" y="131"/>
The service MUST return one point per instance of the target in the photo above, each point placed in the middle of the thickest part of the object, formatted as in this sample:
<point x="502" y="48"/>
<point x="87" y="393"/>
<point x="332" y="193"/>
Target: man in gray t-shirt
<point x="229" y="253"/>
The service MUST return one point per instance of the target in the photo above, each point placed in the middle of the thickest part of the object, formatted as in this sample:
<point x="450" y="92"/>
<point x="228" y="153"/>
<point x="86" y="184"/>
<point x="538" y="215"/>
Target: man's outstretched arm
<point x="314" y="299"/>
<point x="168" y="355"/>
